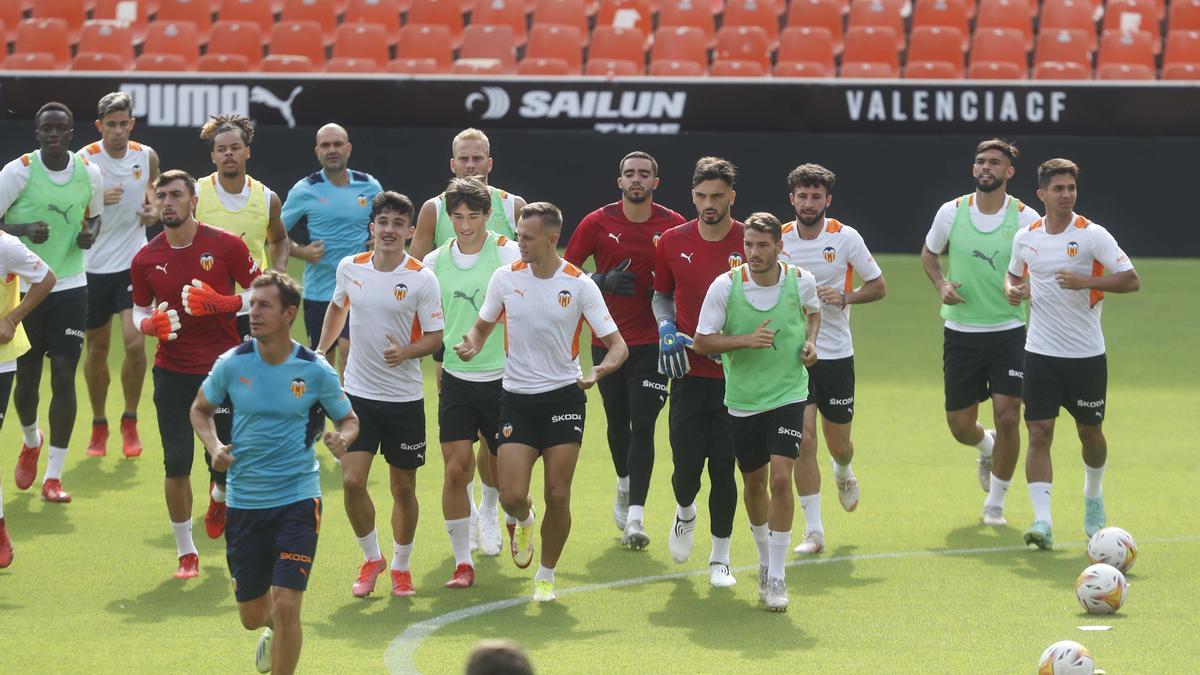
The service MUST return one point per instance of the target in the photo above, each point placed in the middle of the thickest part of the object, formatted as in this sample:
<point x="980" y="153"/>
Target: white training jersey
<point x="833" y="258"/>
<point x="403" y="304"/>
<point x="1065" y="323"/>
<point x="938" y="238"/>
<point x="16" y="260"/>
<point x="543" y="319"/>
<point x="121" y="231"/>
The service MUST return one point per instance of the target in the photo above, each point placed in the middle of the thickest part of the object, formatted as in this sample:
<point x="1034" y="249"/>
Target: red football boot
<point x="370" y="570"/>
<point x="131" y="444"/>
<point x="402" y="583"/>
<point x="189" y="566"/>
<point x="464" y="576"/>
<point x="6" y="551"/>
<point x="52" y="491"/>
<point x="98" y="446"/>
<point x="214" y="518"/>
<point x="27" y="463"/>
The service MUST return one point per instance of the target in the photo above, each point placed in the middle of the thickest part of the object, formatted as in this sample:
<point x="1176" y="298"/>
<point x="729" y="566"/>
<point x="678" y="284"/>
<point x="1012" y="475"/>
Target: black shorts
<point x="977" y="365"/>
<point x="6" y="380"/>
<point x="108" y="294"/>
<point x="637" y="384"/>
<point x="774" y="432"/>
<point x="271" y="547"/>
<point x="314" y="320"/>
<point x="1079" y="385"/>
<point x="699" y="420"/>
<point x="543" y="420"/>
<point x="173" y="396"/>
<point x="395" y="429"/>
<point x="56" y="326"/>
<point x="243" y="327"/>
<point x="831" y="389"/>
<point x="467" y="409"/>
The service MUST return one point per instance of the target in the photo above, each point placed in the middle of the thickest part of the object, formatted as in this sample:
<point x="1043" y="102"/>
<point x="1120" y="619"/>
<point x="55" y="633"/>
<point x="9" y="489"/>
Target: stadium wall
<point x="899" y="149"/>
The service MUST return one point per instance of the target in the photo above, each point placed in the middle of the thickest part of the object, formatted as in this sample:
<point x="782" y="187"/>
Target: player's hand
<point x="8" y="328"/>
<point x="828" y="295"/>
<point x="617" y="281"/>
<point x="222" y="457"/>
<point x="1071" y="281"/>
<point x="336" y="443"/>
<point x="761" y="338"/>
<point x="808" y="355"/>
<point x="200" y="299"/>
<point x="394" y="353"/>
<point x="672" y="355"/>
<point x="312" y="253"/>
<point x="590" y="379"/>
<point x="148" y="214"/>
<point x="37" y="232"/>
<point x="86" y="236"/>
<point x="1015" y="293"/>
<point x="465" y="350"/>
<point x="162" y="323"/>
<point x="113" y="195"/>
<point x="949" y="292"/>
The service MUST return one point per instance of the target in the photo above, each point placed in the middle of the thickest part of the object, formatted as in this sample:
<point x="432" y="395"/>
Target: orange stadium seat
<point x="675" y="68"/>
<point x="1181" y="71"/>
<point x="288" y="63"/>
<point x="744" y="43"/>
<point x="995" y="70"/>
<point x="160" y="63"/>
<point x="865" y="70"/>
<point x="1069" y="15"/>
<point x="501" y="13"/>
<point x="490" y="42"/>
<point x="107" y="37"/>
<point x="100" y="61"/>
<point x="880" y="14"/>
<point x="541" y="66"/>
<point x="681" y="43"/>
<point x="47" y="36"/>
<point x="223" y="63"/>
<point x="1125" y="71"/>
<point x="256" y="11"/>
<point x="872" y="44"/>
<point x="737" y="68"/>
<point x="944" y="13"/>
<point x="446" y="13"/>
<point x="825" y="14"/>
<point x="761" y="13"/>
<point x="626" y="14"/>
<point x="1185" y="15"/>
<point x="1133" y="48"/>
<point x="806" y="69"/>
<point x="1061" y="70"/>
<point x="937" y="44"/>
<point x="689" y="13"/>
<point x="1183" y="46"/>
<point x="197" y="11"/>
<point x="136" y="14"/>
<point x="805" y="45"/>
<point x="386" y="13"/>
<point x="623" y="44"/>
<point x="557" y="42"/>
<point x="999" y="45"/>
<point x="563" y="13"/>
<point x="10" y="16"/>
<point x="297" y="38"/>
<point x="614" y="68"/>
<point x="477" y="67"/>
<point x="1064" y="46"/>
<point x="237" y="37"/>
<point x="173" y="37"/>
<point x="932" y="70"/>
<point x="31" y="61"/>
<point x="426" y="42"/>
<point x="361" y="41"/>
<point x="352" y="64"/>
<point x="324" y="12"/>
<point x="416" y="66"/>
<point x="1006" y="14"/>
<point x="1134" y="15"/>
<point x="73" y="12"/>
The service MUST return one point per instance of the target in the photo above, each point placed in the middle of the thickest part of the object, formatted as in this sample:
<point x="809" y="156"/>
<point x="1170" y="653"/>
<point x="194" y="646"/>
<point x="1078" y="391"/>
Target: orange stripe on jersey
<point x="572" y="271"/>
<point x="1095" y="296"/>
<point x="1020" y="206"/>
<point x="411" y="263"/>
<point x="1036" y="224"/>
<point x="832" y="225"/>
<point x="316" y="515"/>
<point x="504" y="320"/>
<point x="25" y="160"/>
<point x="745" y="276"/>
<point x="519" y="265"/>
<point x="1081" y="223"/>
<point x="93" y="149"/>
<point x="363" y="257"/>
<point x="416" y="331"/>
<point x="575" y="339"/>
<point x="849" y="277"/>
<point x="501" y="241"/>
<point x="135" y="146"/>
<point x="788" y="227"/>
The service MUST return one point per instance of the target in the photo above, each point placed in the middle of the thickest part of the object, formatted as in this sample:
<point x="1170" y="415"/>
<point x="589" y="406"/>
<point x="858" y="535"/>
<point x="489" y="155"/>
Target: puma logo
<point x="520" y="292"/>
<point x="687" y="256"/>
<point x="162" y="268"/>
<point x="66" y="218"/>
<point x="358" y="284"/>
<point x="976" y="253"/>
<point x="246" y="380"/>
<point x="615" y="237"/>
<point x="468" y="298"/>
<point x="284" y="106"/>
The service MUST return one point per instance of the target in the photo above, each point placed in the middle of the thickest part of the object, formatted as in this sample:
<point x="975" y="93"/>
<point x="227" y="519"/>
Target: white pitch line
<point x="401" y="653"/>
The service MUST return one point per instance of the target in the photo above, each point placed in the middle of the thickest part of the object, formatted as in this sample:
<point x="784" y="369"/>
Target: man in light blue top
<point x="326" y="215"/>
<point x="273" y="488"/>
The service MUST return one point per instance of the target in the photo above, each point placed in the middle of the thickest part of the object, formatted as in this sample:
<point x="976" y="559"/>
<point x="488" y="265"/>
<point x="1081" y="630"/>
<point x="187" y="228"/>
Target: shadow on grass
<point x="52" y="519"/>
<point x="820" y="578"/>
<point x="1058" y="567"/>
<point x="617" y="562"/>
<point x="89" y="478"/>
<point x="179" y="599"/>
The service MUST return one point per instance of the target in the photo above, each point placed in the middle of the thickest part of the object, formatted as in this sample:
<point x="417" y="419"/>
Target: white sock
<point x="841" y="472"/>
<point x="54" y="467"/>
<point x="812" y="513"/>
<point x="218" y="496"/>
<point x="370" y="547"/>
<point x="545" y="573"/>
<point x="471" y="499"/>
<point x="636" y="512"/>
<point x="183" y="537"/>
<point x="400" y="555"/>
<point x="1093" y="476"/>
<point x="509" y="520"/>
<point x="1" y="502"/>
<point x="760" y="534"/>
<point x="985" y="446"/>
<point x="623" y="483"/>
<point x="997" y="491"/>
<point x="1039" y="494"/>
<point x="30" y="434"/>
<point x="490" y="501"/>
<point x="686" y="512"/>
<point x="528" y="522"/>
<point x="460" y="540"/>
<point x="780" y="542"/>
<point x="720" y="550"/>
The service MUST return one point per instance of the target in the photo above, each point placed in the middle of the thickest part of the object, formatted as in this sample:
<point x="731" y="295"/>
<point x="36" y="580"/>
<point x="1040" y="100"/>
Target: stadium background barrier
<point x="900" y="149"/>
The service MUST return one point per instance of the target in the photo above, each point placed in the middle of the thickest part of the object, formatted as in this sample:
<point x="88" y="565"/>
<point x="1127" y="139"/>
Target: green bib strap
<point x="497" y="222"/>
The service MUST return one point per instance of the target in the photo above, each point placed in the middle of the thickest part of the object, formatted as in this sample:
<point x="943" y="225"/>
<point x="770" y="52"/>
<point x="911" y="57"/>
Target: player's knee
<point x="285" y="610"/>
<point x="1092" y="437"/>
<point x="511" y="500"/>
<point x="1008" y="419"/>
<point x="558" y="493"/>
<point x="354" y="483"/>
<point x="1040" y="436"/>
<point x="458" y="474"/>
<point x="781" y="484"/>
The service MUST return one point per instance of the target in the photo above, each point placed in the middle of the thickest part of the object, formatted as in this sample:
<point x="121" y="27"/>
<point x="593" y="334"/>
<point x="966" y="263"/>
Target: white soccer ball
<point x="1101" y="589"/>
<point x="1066" y="658"/>
<point x="1114" y="546"/>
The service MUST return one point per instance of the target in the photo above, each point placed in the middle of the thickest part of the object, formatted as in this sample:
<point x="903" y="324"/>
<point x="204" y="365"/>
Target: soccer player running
<point x="544" y="301"/>
<point x="469" y="400"/>
<point x="621" y="238"/>
<point x="687" y="260"/>
<point x="397" y="319"/>
<point x="763" y="318"/>
<point x="183" y="294"/>
<point x="232" y="200"/>
<point x="129" y="169"/>
<point x="1066" y="256"/>
<point x="833" y="252"/>
<point x="17" y="264"/>
<point x="53" y="200"/>
<point x="274" y="482"/>
<point x="984" y="336"/>
<point x="329" y="212"/>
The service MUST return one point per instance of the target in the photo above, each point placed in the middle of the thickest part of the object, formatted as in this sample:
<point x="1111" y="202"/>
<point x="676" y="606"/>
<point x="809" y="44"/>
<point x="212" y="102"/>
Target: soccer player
<point x="763" y="318"/>
<point x="984" y="335"/>
<point x="833" y="252"/>
<point x="330" y="211"/>
<point x="621" y="237"/>
<point x="193" y="327"/>
<point x="230" y="199"/>
<point x="17" y="264"/>
<point x="129" y="169"/>
<point x="469" y="400"/>
<point x="397" y="319"/>
<point x="544" y="301"/>
<point x="687" y="259"/>
<point x="53" y="200"/>
<point x="274" y="482"/>
<point x="1066" y="256"/>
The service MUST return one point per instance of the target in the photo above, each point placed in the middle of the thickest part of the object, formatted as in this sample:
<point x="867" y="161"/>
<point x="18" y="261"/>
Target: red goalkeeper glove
<point x="199" y="299"/>
<point x="162" y="323"/>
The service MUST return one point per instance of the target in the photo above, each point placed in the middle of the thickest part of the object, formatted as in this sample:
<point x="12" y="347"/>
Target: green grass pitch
<point x="911" y="582"/>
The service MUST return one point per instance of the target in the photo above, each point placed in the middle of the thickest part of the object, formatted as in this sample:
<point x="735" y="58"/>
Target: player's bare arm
<point x="812" y="326"/>
<point x="37" y="232"/>
<point x="932" y="263"/>
<point x="148" y="213"/>
<point x="32" y="298"/>
<point x="277" y="239"/>
<point x="331" y="329"/>
<point x="762" y="337"/>
<point x="474" y="340"/>
<point x="343" y="434"/>
<point x="422" y="241"/>
<point x="1016" y="289"/>
<point x="395" y="354"/>
<point x="618" y="351"/>
<point x="88" y="233"/>
<point x="1121" y="282"/>
<point x="870" y="291"/>
<point x="201" y="416"/>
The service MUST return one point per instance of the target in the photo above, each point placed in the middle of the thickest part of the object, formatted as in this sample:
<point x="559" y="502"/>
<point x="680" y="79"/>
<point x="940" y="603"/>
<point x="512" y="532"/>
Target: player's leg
<point x="1085" y="399"/>
<point x="95" y="373"/>
<point x="514" y="469"/>
<point x="687" y="423"/>
<point x="614" y="393"/>
<point x="456" y="508"/>
<point x="808" y="480"/>
<point x="558" y="463"/>
<point x="723" y="491"/>
<point x="6" y="549"/>
<point x="133" y="377"/>
<point x="783" y="427"/>
<point x="297" y="529"/>
<point x="750" y="445"/>
<point x="65" y="330"/>
<point x="646" y="390"/>
<point x="484" y="400"/>
<point x="173" y="396"/>
<point x="251" y="555"/>
<point x="360" y="510"/>
<point x="402" y="442"/>
<point x="835" y="402"/>
<point x="214" y="516"/>
<point x="1041" y="394"/>
<point x="26" y="395"/>
<point x="965" y="365"/>
<point x="287" y="635"/>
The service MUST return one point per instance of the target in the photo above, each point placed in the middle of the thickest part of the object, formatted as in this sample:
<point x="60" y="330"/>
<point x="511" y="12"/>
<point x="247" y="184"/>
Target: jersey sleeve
<point x="939" y="232"/>
<point x="296" y="206"/>
<point x="806" y="285"/>
<point x="242" y="264"/>
<point x="332" y="398"/>
<point x="430" y="258"/>
<point x="595" y="310"/>
<point x="509" y="253"/>
<point x="339" y="283"/>
<point x="713" y="311"/>
<point x="429" y="305"/>
<point x="216" y="385"/>
<point x="1027" y="216"/>
<point x="864" y="263"/>
<point x="1016" y="264"/>
<point x="143" y="294"/>
<point x="493" y="300"/>
<point x="13" y="177"/>
<point x="1107" y="251"/>
<point x="664" y="279"/>
<point x="96" y="179"/>
<point x="582" y="243"/>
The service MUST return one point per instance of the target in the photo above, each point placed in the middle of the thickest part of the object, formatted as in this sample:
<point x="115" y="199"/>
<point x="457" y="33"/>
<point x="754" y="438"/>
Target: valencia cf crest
<point x="564" y="298"/>
<point x="137" y="171"/>
<point x="507" y="430"/>
<point x="298" y="387"/>
<point x="206" y="262"/>
<point x="362" y="201"/>
<point x="830" y="254"/>
<point x="735" y="259"/>
<point x="400" y="291"/>
<point x="657" y="236"/>
<point x="1072" y="248"/>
